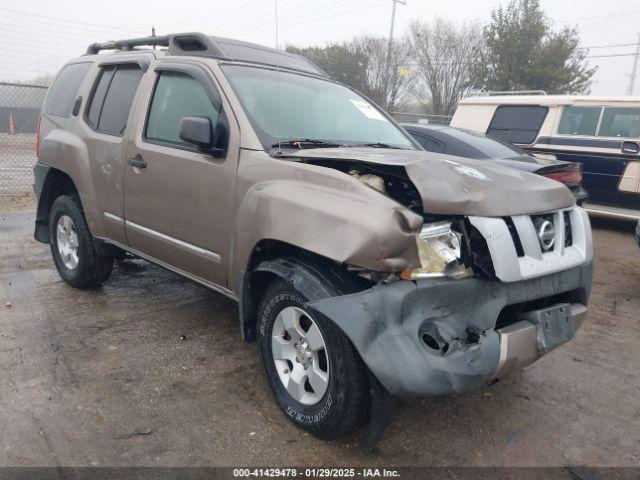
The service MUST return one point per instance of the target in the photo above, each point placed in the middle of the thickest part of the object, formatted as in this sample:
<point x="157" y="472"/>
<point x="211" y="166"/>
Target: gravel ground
<point x="80" y="367"/>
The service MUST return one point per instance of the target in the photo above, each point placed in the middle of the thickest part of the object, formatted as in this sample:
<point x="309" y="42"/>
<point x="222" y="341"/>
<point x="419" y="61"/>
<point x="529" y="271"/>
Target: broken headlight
<point x="439" y="251"/>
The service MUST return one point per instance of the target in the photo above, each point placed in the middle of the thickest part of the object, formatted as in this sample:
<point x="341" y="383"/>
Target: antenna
<point x="278" y="86"/>
<point x="153" y="34"/>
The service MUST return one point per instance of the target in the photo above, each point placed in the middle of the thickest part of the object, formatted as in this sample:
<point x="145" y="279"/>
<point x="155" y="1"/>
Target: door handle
<point x="630" y="147"/>
<point x="137" y="162"/>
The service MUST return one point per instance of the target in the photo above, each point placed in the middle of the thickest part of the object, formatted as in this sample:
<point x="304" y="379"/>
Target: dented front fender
<point x="322" y="211"/>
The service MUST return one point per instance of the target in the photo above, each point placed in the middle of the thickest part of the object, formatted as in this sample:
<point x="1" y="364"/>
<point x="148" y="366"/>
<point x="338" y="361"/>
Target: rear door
<point x="178" y="201"/>
<point x="106" y="117"/>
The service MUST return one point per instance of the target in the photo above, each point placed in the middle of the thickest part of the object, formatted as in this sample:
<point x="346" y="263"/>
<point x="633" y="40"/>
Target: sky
<point x="40" y="36"/>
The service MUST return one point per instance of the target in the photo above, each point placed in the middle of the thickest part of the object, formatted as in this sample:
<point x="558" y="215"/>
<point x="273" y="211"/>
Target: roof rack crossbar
<point x="130" y="44"/>
<point x="491" y="93"/>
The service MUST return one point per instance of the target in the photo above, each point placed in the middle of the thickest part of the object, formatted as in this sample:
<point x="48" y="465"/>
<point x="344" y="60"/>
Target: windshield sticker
<point x="368" y="110"/>
<point x="468" y="171"/>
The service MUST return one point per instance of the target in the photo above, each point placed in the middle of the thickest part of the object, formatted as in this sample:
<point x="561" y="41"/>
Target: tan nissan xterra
<point x="364" y="266"/>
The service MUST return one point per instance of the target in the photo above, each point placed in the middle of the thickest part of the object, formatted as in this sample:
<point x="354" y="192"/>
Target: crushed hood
<point x="450" y="185"/>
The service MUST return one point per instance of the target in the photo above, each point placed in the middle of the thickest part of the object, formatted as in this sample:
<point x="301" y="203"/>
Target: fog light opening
<point x="430" y="342"/>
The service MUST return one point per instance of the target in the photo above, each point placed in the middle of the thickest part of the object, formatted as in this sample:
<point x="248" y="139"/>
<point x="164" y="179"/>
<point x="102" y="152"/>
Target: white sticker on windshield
<point x="368" y="110"/>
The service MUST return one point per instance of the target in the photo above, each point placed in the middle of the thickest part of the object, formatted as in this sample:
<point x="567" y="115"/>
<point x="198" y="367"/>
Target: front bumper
<point x="387" y="325"/>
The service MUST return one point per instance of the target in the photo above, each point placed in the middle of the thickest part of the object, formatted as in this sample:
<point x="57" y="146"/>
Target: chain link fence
<point x="19" y="110"/>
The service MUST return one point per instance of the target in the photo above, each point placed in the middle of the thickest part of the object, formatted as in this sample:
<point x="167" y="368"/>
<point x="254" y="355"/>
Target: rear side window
<point x="428" y="143"/>
<point x="64" y="90"/>
<point x="490" y="147"/>
<point x="620" y="122"/>
<point x="517" y="123"/>
<point x="112" y="98"/>
<point x="579" y="121"/>
<point x="176" y="95"/>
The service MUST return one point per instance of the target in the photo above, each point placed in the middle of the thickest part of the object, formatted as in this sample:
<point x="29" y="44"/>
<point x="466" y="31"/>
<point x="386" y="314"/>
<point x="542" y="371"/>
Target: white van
<point x="602" y="133"/>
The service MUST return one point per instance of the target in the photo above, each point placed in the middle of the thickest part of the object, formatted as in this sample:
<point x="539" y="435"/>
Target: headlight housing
<point x="440" y="253"/>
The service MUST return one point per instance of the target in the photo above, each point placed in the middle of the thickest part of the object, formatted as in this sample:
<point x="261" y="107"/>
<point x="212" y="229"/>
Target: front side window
<point x="579" y="121"/>
<point x="517" y="123"/>
<point x="620" y="122"/>
<point x="176" y="95"/>
<point x="286" y="106"/>
<point x="112" y="98"/>
<point x="64" y="90"/>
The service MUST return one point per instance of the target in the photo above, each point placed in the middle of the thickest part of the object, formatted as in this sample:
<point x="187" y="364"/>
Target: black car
<point x="468" y="144"/>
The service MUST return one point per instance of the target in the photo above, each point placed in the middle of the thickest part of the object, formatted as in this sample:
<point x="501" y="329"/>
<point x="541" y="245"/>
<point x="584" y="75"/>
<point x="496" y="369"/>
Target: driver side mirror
<point x="200" y="132"/>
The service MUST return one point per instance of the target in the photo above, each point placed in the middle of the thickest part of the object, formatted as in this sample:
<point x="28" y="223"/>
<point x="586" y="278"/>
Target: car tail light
<point x="570" y="177"/>
<point x="38" y="136"/>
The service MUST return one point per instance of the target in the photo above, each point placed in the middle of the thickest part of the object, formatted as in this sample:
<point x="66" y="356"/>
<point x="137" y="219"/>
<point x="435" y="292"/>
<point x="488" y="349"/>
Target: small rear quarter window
<point x="517" y="123"/>
<point x="64" y="90"/>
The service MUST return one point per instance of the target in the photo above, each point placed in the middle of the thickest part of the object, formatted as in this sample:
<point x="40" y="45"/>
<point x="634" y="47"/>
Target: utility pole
<point x="632" y="80"/>
<point x="393" y="21"/>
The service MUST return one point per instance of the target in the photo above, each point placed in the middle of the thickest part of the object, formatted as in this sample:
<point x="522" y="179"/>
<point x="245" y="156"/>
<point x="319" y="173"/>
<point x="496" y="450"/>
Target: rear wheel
<point x="72" y="245"/>
<point x="314" y="372"/>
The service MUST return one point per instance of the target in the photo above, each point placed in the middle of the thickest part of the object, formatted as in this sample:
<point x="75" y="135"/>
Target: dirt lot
<point x="78" y="368"/>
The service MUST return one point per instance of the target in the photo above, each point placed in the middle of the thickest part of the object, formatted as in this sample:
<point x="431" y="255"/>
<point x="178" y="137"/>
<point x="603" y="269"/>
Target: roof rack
<point x="199" y="44"/>
<point x="515" y="92"/>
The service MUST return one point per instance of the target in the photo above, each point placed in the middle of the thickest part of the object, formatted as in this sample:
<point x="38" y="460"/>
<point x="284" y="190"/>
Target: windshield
<point x="297" y="107"/>
<point x="489" y="146"/>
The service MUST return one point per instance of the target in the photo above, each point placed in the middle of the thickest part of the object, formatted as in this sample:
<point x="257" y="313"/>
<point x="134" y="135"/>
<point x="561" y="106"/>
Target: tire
<point x="74" y="253"/>
<point x="346" y="402"/>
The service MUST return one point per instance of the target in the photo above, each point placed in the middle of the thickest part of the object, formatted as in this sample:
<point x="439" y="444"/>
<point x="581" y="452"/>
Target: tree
<point x="445" y="55"/>
<point x="522" y="52"/>
<point x="364" y="64"/>
<point x="387" y="76"/>
<point x="339" y="61"/>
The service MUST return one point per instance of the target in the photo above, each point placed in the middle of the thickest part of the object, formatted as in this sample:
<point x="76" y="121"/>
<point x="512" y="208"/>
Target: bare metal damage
<point x="386" y="324"/>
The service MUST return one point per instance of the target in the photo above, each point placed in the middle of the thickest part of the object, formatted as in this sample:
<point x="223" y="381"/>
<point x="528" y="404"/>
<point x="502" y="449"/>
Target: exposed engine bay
<point x="388" y="179"/>
<point x="469" y="253"/>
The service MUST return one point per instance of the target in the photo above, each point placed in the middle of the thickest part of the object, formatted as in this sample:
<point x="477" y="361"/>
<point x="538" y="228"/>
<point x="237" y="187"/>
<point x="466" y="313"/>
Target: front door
<point x="178" y="201"/>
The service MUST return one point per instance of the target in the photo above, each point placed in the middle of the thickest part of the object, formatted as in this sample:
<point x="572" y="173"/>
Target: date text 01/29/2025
<point x="316" y="472"/>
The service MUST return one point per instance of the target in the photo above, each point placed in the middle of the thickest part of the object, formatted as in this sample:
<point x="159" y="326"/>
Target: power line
<point x="67" y="21"/>
<point x="609" y="46"/>
<point x="599" y="17"/>
<point x="261" y="25"/>
<point x="611" y="55"/>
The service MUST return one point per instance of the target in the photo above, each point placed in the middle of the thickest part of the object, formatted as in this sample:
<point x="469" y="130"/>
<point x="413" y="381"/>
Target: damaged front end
<point x="496" y="286"/>
<point x="439" y="336"/>
<point x="494" y="302"/>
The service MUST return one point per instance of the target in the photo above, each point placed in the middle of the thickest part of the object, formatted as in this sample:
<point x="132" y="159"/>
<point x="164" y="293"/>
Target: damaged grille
<point x="568" y="231"/>
<point x="478" y="256"/>
<point x="514" y="236"/>
<point x="528" y="246"/>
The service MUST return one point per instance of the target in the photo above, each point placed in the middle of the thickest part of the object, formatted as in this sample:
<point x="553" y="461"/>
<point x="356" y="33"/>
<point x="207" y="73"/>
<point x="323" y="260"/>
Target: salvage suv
<point x="360" y="262"/>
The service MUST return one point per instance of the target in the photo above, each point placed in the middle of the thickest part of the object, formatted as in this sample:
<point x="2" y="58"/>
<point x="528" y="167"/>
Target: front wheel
<point x="314" y="372"/>
<point x="72" y="247"/>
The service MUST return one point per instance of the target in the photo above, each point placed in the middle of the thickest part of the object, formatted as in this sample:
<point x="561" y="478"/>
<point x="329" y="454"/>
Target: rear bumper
<point x="387" y="324"/>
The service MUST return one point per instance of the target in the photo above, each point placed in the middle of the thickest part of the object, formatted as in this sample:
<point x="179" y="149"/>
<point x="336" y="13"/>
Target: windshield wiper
<point x="306" y="143"/>
<point x="377" y="145"/>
